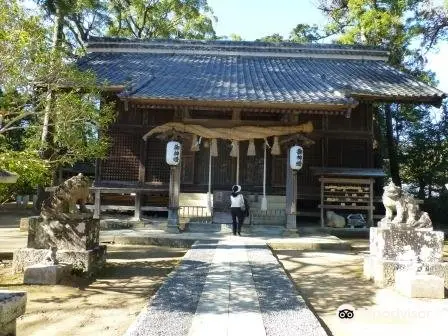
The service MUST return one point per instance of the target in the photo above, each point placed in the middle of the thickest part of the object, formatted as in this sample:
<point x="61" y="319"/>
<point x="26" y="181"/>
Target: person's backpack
<point x="247" y="207"/>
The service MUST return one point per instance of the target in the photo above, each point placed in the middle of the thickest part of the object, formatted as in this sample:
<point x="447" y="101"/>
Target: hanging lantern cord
<point x="209" y="193"/>
<point x="264" y="201"/>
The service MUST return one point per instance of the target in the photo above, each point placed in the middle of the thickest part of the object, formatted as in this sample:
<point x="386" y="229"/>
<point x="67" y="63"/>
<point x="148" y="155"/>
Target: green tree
<point x="271" y="38"/>
<point x="426" y="142"/>
<point x="70" y="118"/>
<point x="432" y="22"/>
<point x="304" y="33"/>
<point x="379" y="23"/>
<point x="74" y="21"/>
<point x="188" y="19"/>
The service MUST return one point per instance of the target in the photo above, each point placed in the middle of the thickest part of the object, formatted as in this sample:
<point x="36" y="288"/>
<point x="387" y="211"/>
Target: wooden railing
<point x="270" y="216"/>
<point x="195" y="214"/>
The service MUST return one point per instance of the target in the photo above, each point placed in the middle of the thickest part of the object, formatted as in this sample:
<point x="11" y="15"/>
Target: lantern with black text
<point x="173" y="153"/>
<point x="296" y="157"/>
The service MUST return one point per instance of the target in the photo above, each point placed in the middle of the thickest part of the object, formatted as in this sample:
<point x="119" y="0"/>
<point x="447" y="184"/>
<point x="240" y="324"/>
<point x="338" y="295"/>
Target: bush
<point x="32" y="172"/>
<point x="437" y="210"/>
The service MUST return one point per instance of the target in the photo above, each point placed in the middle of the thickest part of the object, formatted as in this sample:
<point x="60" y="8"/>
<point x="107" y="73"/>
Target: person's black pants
<point x="237" y="213"/>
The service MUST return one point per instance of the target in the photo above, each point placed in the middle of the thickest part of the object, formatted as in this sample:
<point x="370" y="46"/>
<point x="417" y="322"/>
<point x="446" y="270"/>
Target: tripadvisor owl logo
<point x="346" y="312"/>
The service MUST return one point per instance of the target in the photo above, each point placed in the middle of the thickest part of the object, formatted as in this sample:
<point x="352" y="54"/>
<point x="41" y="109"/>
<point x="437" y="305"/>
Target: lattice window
<point x="124" y="144"/>
<point x="251" y="167"/>
<point x="312" y="156"/>
<point x="120" y="169"/>
<point x="157" y="170"/>
<point x="187" y="169"/>
<point x="122" y="162"/>
<point x="278" y="175"/>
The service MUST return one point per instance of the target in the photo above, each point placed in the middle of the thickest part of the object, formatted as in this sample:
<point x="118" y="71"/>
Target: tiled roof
<point x="255" y="72"/>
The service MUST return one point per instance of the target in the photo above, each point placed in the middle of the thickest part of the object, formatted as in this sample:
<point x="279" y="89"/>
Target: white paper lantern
<point x="173" y="153"/>
<point x="296" y="157"/>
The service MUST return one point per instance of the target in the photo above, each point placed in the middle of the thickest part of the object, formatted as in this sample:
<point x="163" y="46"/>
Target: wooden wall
<point x="339" y="142"/>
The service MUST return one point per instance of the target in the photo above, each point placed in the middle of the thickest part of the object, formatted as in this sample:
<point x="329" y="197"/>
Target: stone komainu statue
<point x="402" y="210"/>
<point x="62" y="203"/>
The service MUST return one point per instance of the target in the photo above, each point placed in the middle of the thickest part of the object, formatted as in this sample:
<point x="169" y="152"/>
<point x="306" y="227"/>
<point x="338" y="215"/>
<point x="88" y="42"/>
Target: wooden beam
<point x="137" y="204"/>
<point x="142" y="161"/>
<point x="97" y="209"/>
<point x="236" y="114"/>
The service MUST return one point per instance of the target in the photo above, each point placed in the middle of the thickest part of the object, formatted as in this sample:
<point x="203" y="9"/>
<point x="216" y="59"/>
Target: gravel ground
<point x="284" y="311"/>
<point x="171" y="310"/>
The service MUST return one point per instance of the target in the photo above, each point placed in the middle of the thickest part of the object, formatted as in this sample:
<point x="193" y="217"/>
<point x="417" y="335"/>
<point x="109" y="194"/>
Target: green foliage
<point x="47" y="88"/>
<point x="271" y="38"/>
<point x="31" y="169"/>
<point x="235" y="37"/>
<point x="304" y="33"/>
<point x="187" y="19"/>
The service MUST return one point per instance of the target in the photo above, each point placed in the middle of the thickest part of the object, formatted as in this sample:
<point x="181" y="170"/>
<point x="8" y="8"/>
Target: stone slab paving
<point x="230" y="287"/>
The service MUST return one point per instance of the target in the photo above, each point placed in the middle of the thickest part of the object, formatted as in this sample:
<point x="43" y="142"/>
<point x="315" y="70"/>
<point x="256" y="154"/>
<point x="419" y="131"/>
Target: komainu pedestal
<point x="404" y="243"/>
<point x="63" y="234"/>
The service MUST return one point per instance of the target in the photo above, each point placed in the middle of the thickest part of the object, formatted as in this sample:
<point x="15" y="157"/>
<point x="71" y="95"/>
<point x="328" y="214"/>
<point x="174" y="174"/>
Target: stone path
<point x="229" y="287"/>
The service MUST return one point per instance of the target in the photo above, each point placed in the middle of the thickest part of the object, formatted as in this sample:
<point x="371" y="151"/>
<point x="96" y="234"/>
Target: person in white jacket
<point x="237" y="208"/>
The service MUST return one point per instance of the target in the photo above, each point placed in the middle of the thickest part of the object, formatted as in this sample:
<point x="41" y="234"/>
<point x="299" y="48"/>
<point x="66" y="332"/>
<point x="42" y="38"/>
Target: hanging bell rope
<point x="235" y="148"/>
<point x="264" y="201"/>
<point x="209" y="192"/>
<point x="214" y="148"/>
<point x="251" y="148"/>
<point x="275" y="150"/>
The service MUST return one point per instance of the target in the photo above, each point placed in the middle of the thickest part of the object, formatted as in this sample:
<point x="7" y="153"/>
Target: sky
<point x="252" y="19"/>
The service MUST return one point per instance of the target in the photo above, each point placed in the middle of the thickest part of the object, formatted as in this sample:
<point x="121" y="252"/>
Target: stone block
<point x="12" y="305"/>
<point x="76" y="235"/>
<point x="406" y="244"/>
<point x="24" y="222"/>
<point x="418" y="285"/>
<point x="41" y="274"/>
<point x="381" y="271"/>
<point x="87" y="262"/>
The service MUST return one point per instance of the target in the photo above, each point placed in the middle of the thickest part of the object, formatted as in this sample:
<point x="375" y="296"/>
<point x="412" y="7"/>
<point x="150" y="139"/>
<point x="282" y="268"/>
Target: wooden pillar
<point x="370" y="216"/>
<point x="97" y="206"/>
<point x="141" y="179"/>
<point x="173" y="206"/>
<point x="291" y="196"/>
<point x="322" y="187"/>
<point x="97" y="171"/>
<point x="137" y="205"/>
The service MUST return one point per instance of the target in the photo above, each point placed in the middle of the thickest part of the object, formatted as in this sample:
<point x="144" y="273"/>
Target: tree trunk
<point x="47" y="136"/>
<point x="393" y="158"/>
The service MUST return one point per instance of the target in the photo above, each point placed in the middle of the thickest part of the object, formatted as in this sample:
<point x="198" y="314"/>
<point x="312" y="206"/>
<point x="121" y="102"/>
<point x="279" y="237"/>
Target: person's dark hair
<point x="236" y="188"/>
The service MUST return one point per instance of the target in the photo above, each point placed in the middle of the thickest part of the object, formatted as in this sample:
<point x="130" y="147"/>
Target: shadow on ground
<point x="107" y="304"/>
<point x="328" y="279"/>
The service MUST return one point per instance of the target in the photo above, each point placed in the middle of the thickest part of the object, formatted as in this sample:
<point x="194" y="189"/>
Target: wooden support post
<point x="137" y="206"/>
<point x="97" y="206"/>
<point x="173" y="207"/>
<point x="322" y="185"/>
<point x="291" y="197"/>
<point x="370" y="219"/>
<point x="97" y="171"/>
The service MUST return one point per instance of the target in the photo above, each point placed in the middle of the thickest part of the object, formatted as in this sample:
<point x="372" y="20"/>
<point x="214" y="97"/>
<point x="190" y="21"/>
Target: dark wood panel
<point x="157" y="170"/>
<point x="251" y="167"/>
<point x="187" y="169"/>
